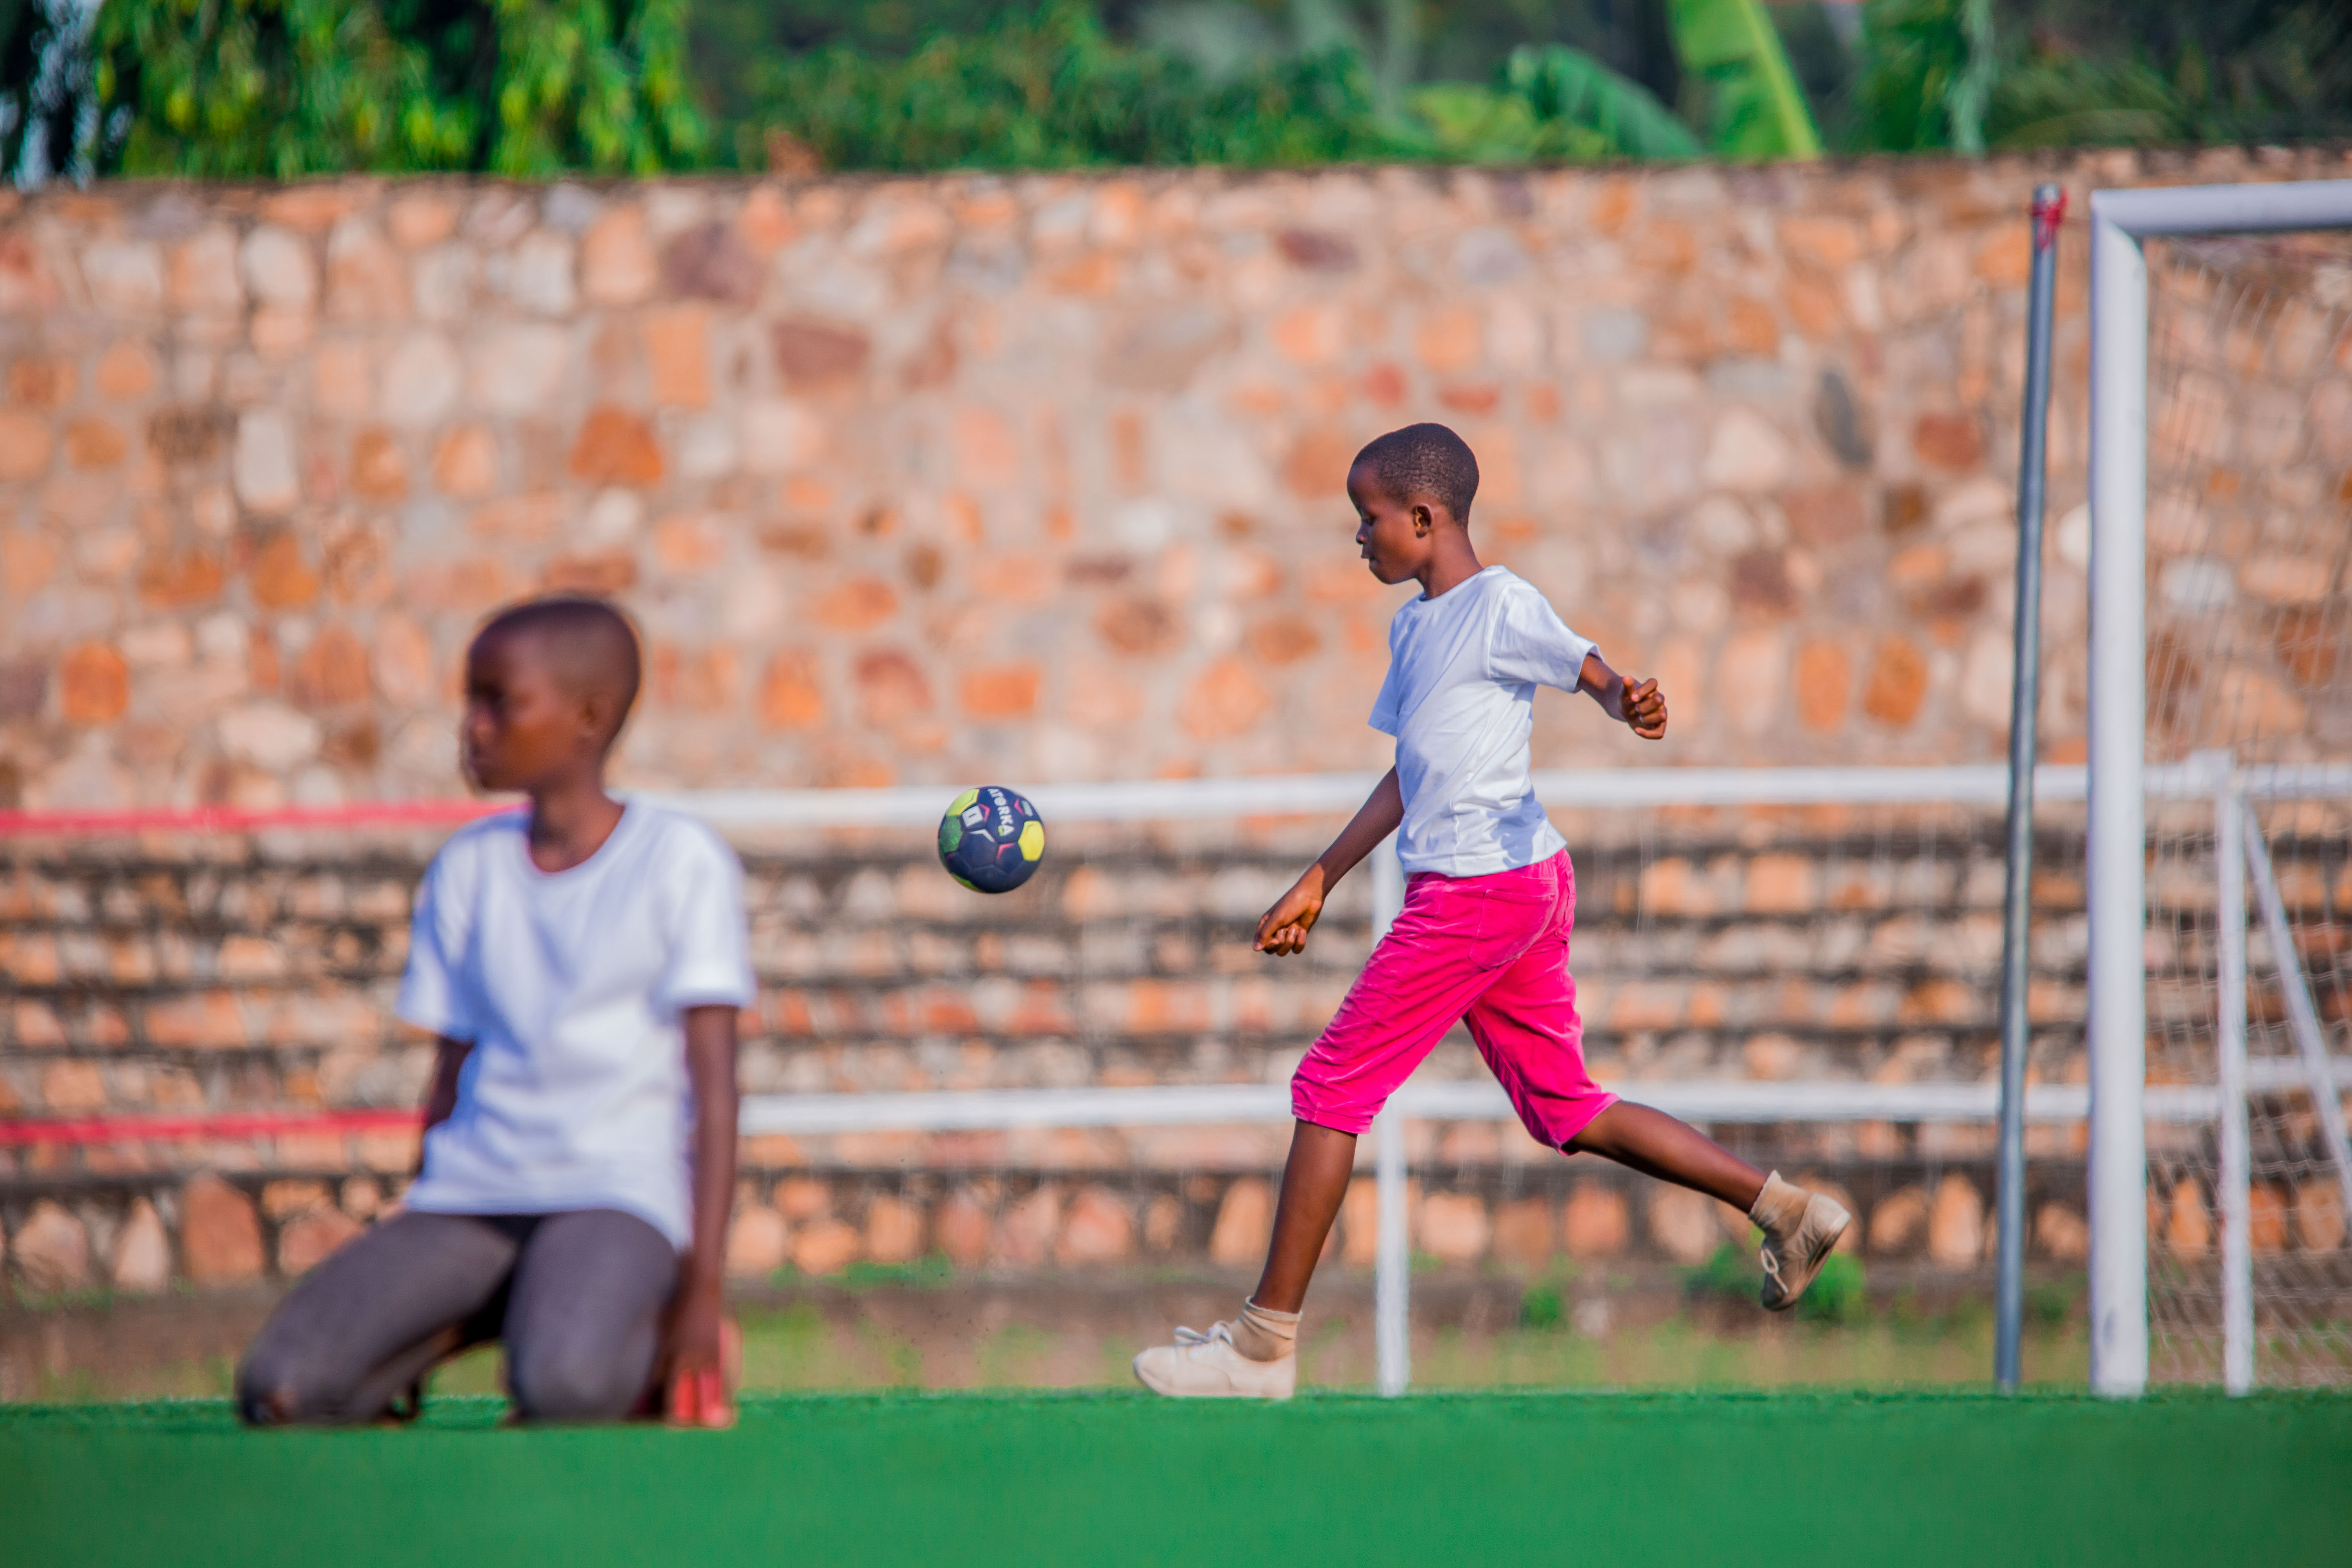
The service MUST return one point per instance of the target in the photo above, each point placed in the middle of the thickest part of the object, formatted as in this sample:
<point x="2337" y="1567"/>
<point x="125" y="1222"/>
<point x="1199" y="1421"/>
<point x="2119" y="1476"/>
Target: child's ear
<point x="1422" y="521"/>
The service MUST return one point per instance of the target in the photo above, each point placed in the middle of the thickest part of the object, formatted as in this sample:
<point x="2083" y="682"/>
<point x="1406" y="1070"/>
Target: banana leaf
<point x="1756" y="110"/>
<point x="1559" y="83"/>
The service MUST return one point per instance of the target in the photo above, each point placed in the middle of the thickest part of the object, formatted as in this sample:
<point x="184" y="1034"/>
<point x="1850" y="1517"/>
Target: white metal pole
<point x="2303" y="1017"/>
<point x="2236" y="1173"/>
<point x="2118" y="871"/>
<point x="1392" y="1264"/>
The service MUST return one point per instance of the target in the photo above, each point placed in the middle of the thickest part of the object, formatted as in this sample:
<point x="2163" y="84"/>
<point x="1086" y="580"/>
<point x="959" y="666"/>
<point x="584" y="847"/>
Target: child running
<point x="1483" y="937"/>
<point x="582" y="965"/>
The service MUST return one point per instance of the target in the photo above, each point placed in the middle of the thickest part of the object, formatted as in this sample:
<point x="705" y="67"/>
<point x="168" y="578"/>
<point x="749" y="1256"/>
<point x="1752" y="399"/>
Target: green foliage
<point x="1754" y="106"/>
<point x="1565" y="85"/>
<point x="1918" y="51"/>
<point x="229" y="88"/>
<point x="1730" y="1274"/>
<point x="1542" y="1306"/>
<point x="1837" y="1293"/>
<point x="1053" y="89"/>
<point x="48" y="103"/>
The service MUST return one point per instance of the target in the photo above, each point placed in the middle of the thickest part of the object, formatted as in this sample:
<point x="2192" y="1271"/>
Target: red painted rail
<point x="84" y="1129"/>
<point x="245" y="819"/>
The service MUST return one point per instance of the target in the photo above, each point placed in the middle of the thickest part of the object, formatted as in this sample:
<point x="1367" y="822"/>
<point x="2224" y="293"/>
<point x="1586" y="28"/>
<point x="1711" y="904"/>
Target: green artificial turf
<point x="1753" y="1481"/>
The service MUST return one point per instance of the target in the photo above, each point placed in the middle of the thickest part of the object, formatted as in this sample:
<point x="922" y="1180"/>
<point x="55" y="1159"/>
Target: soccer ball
<point x="991" y="839"/>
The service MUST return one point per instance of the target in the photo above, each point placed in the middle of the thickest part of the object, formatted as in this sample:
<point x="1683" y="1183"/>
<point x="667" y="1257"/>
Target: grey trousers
<point x="577" y="1298"/>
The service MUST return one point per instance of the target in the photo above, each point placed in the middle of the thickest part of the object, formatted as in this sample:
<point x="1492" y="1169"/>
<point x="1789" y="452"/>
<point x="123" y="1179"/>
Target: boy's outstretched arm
<point x="1638" y="704"/>
<point x="1283" y="929"/>
<point x="697" y="1391"/>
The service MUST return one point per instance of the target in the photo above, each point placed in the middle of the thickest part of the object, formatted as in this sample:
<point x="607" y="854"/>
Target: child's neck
<point x="570" y="820"/>
<point x="1452" y="563"/>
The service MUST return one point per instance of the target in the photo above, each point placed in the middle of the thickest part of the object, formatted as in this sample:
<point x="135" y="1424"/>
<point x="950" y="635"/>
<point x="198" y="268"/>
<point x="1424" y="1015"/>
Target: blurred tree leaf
<point x="49" y="95"/>
<point x="1754" y="106"/>
<point x="235" y="88"/>
<point x="1561" y="84"/>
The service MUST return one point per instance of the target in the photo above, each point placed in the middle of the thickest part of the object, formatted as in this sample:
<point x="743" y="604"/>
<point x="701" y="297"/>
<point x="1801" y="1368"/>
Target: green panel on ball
<point x="1032" y="841"/>
<point x="965" y="880"/>
<point x="951" y="835"/>
<point x="966" y="798"/>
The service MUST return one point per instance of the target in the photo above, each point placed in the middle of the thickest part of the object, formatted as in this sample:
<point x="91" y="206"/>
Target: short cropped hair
<point x="591" y="645"/>
<point x="1425" y="459"/>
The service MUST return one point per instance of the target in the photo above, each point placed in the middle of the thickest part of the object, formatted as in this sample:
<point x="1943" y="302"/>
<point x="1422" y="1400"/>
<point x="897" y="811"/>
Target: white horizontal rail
<point x="1477" y="1099"/>
<point x="2153" y="211"/>
<point x="1603" y="788"/>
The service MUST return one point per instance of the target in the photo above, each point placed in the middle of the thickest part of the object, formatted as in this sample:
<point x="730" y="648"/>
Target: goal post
<point x="2121" y="222"/>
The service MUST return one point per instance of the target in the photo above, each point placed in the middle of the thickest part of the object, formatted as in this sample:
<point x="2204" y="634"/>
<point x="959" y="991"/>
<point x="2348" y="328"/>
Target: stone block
<point x="2266" y="1218"/>
<point x="1594" y="1222"/>
<point x="1899" y="1224"/>
<point x="312" y="1237"/>
<point x="1454" y="1228"/>
<point x="2188" y="1221"/>
<point x="93" y="684"/>
<point x="95" y="444"/>
<point x="277" y="267"/>
<point x="1745" y="453"/>
<point x="220" y="1234"/>
<point x="825" y="1245"/>
<point x="1898" y="681"/>
<point x="2060" y="1233"/>
<point x="123" y="279"/>
<point x="1523" y="1233"/>
<point x="1244" y="1221"/>
<point x="50" y="1250"/>
<point x="618" y="263"/>
<point x="1682" y="1224"/>
<point x="677" y="356"/>
<point x="1097" y="1229"/>
<point x="421" y="378"/>
<point x="964" y="1229"/>
<point x="758" y="1243"/>
<point x="2319" y="1216"/>
<point x="379" y="467"/>
<point x="1025" y="1237"/>
<point x="1225" y="702"/>
<point x="519" y="370"/>
<point x="617" y="447"/>
<point x="1823" y="681"/>
<point x="143" y="1252"/>
<point x="1001" y="691"/>
<point x="466" y="463"/>
<point x="894" y="1230"/>
<point x="1956" y="1224"/>
<point x="1952" y="442"/>
<point x="25" y="444"/>
<point x="285" y="1198"/>
<point x="201" y="278"/>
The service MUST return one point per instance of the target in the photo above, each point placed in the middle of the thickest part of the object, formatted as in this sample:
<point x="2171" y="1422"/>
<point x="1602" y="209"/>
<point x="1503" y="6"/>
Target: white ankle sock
<point x="1779" y="1206"/>
<point x="1264" y="1335"/>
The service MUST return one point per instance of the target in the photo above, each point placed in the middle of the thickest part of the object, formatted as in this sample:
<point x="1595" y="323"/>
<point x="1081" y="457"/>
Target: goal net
<point x="2248" y="707"/>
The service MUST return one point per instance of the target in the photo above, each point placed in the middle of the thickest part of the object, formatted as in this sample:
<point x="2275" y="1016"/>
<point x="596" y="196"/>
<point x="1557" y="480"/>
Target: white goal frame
<point x="2121" y="222"/>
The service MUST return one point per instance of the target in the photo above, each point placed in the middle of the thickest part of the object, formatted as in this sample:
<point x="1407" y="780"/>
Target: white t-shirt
<point x="1460" y="699"/>
<point x="572" y="986"/>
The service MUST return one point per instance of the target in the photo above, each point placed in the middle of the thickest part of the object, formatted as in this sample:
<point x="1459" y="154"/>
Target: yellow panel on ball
<point x="1033" y="840"/>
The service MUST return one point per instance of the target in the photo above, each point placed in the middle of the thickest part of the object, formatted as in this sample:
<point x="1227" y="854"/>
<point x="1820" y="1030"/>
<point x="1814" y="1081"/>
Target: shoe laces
<point x="1192" y="1338"/>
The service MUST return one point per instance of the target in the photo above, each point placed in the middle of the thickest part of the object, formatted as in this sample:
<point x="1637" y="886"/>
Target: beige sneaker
<point x="1207" y="1366"/>
<point x="1799" y="1227"/>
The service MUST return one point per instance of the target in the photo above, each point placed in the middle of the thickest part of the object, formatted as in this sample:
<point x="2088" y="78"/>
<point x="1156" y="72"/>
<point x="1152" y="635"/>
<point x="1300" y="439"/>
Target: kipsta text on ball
<point x="991" y="839"/>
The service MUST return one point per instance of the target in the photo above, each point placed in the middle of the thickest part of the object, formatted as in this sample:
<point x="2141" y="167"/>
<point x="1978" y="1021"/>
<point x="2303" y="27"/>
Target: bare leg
<point x="1314" y="1180"/>
<point x="1653" y="1143"/>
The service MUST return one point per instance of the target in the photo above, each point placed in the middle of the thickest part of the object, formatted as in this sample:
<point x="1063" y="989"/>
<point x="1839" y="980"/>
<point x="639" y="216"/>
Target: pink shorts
<point x="1491" y="951"/>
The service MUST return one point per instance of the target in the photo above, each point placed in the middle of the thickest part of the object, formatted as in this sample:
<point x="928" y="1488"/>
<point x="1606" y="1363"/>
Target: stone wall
<point x="1032" y="478"/>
